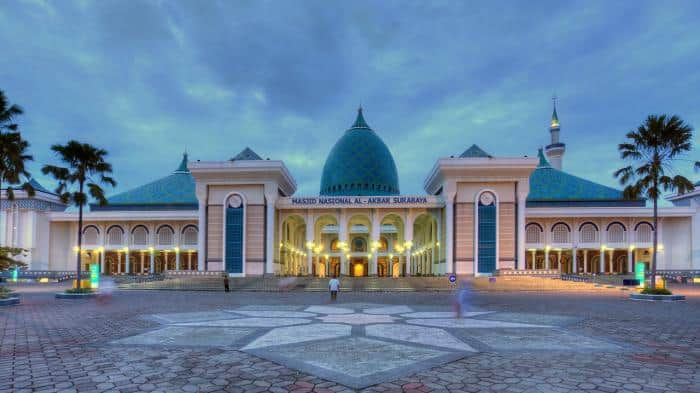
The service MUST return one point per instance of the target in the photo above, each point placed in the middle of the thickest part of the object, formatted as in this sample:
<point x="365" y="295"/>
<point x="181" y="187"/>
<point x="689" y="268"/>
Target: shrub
<point x="655" y="291"/>
<point x="5" y="293"/>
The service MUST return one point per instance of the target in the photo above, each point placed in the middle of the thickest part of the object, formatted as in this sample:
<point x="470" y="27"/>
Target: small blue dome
<point x="359" y="164"/>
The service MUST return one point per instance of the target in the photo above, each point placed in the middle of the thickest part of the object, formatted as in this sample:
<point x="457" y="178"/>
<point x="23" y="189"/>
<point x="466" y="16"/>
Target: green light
<point x="94" y="276"/>
<point x="639" y="273"/>
<point x="15" y="274"/>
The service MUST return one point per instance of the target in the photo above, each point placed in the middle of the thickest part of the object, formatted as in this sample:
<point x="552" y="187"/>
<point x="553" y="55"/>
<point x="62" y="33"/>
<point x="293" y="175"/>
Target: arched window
<point x="486" y="227"/>
<point x="139" y="236"/>
<point x="189" y="235"/>
<point x="616" y="233"/>
<point x="588" y="233"/>
<point x="334" y="245"/>
<point x="165" y="235"/>
<point x="644" y="233"/>
<point x="533" y="234"/>
<point x="115" y="235"/>
<point x="91" y="235"/>
<point x="561" y="233"/>
<point x="359" y="245"/>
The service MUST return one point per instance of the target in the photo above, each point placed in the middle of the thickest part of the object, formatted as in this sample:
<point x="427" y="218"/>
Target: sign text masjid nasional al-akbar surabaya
<point x="381" y="200"/>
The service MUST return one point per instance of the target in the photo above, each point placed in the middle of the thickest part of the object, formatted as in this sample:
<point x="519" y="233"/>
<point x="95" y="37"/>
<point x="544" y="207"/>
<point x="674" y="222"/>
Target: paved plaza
<point x="296" y="341"/>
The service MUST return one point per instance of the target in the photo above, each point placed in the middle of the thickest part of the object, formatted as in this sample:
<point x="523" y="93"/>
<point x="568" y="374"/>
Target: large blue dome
<point x="360" y="164"/>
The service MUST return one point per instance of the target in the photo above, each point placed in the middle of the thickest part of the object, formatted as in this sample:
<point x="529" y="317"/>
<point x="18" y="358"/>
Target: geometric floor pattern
<point x="359" y="345"/>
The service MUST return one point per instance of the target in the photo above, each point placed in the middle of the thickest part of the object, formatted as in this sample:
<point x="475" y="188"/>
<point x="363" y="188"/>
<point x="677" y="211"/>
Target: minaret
<point x="555" y="150"/>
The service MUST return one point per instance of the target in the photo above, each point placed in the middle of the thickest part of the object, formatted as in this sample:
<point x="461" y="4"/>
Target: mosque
<point x="480" y="214"/>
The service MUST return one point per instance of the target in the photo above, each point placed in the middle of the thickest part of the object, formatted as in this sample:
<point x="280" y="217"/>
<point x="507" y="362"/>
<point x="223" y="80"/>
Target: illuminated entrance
<point x="359" y="267"/>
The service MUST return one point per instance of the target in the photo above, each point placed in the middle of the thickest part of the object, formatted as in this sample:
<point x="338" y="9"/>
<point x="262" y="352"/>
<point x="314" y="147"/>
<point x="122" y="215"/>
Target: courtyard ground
<point x="296" y="341"/>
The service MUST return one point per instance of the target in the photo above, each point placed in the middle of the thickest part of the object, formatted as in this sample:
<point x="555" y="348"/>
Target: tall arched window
<point x="115" y="235"/>
<point x="644" y="233"/>
<point x="91" y="235"/>
<point x="166" y="235"/>
<point x="486" y="211"/>
<point x="588" y="233"/>
<point x="189" y="235"/>
<point x="139" y="236"/>
<point x="616" y="233"/>
<point x="533" y="234"/>
<point x="359" y="245"/>
<point x="561" y="233"/>
<point x="234" y="234"/>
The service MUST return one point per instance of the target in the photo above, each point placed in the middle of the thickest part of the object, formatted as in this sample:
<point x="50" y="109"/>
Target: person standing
<point x="334" y="287"/>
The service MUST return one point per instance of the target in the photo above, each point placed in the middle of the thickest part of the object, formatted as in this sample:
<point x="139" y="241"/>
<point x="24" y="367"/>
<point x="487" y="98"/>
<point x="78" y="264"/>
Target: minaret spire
<point x="555" y="150"/>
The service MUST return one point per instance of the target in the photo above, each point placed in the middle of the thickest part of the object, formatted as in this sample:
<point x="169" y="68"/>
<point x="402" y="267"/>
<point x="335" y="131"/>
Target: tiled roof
<point x="37" y="187"/>
<point x="474" y="151"/>
<point x="173" y="192"/>
<point x="246" y="154"/>
<point x="552" y="187"/>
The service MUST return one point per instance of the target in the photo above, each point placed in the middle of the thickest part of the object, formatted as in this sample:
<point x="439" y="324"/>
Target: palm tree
<point x="653" y="148"/>
<point x="8" y="113"/>
<point x="85" y="167"/>
<point x="13" y="150"/>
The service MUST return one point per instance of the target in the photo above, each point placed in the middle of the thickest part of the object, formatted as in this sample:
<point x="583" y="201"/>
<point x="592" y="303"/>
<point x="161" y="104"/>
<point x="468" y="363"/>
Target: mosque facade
<point x="479" y="214"/>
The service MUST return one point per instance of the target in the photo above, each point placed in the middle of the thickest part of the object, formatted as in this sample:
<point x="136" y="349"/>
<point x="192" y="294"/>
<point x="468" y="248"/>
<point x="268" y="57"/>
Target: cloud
<point x="149" y="79"/>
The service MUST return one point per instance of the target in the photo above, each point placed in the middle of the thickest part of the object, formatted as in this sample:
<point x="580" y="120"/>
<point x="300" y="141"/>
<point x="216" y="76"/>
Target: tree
<point x="13" y="150"/>
<point x="85" y="167"/>
<point x="653" y="149"/>
<point x="7" y="260"/>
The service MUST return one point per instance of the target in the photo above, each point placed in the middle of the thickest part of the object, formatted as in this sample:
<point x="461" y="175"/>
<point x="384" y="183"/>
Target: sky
<point x="148" y="80"/>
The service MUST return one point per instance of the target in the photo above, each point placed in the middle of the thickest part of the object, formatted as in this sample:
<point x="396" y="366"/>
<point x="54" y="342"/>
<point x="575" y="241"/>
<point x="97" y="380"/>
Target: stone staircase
<point x="215" y="282"/>
<point x="513" y="283"/>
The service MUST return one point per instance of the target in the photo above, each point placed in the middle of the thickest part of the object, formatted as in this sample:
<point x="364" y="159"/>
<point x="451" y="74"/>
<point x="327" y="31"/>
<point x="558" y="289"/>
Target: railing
<point x="576" y="278"/>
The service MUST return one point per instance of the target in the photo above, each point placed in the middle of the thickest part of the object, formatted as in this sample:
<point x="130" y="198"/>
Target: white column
<point x="408" y="233"/>
<point x="4" y="225"/>
<point x="559" y="260"/>
<point x="127" y="262"/>
<point x="142" y="264"/>
<point x="612" y="267"/>
<point x="177" y="259"/>
<point x="343" y="237"/>
<point x="574" y="264"/>
<point x="189" y="261"/>
<point x="601" y="261"/>
<point x="270" y="199"/>
<point x="152" y="267"/>
<point x="201" y="235"/>
<point x="102" y="261"/>
<point x="585" y="261"/>
<point x="309" y="238"/>
<point x="629" y="261"/>
<point x="546" y="258"/>
<point x="119" y="262"/>
<point x="449" y="233"/>
<point x="533" y="262"/>
<point x="521" y="226"/>
<point x="375" y="238"/>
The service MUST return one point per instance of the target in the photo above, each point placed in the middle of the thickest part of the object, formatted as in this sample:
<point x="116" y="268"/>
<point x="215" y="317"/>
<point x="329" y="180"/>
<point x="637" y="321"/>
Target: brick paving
<point x="63" y="345"/>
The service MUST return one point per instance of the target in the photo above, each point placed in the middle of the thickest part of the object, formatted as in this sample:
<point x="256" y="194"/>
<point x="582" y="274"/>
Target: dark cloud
<point x="149" y="79"/>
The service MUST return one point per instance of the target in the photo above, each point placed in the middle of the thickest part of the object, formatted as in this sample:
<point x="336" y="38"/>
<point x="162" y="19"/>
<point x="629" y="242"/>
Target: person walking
<point x="334" y="287"/>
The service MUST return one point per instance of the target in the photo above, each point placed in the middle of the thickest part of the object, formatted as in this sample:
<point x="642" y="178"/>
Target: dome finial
<point x="360" y="120"/>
